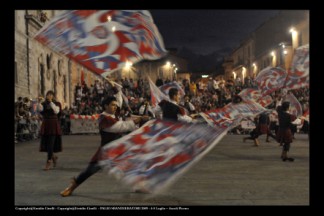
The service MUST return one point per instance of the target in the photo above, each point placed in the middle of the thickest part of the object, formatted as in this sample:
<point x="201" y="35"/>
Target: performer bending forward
<point x="110" y="129"/>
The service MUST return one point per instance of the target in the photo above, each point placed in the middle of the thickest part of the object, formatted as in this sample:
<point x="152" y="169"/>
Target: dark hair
<point x="148" y="97"/>
<point x="107" y="101"/>
<point x="26" y="99"/>
<point x="172" y="92"/>
<point x="237" y="99"/>
<point x="50" y="92"/>
<point x="285" y="106"/>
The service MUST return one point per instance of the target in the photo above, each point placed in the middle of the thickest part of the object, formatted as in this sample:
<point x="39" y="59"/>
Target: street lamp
<point x="168" y="68"/>
<point x="294" y="37"/>
<point x="243" y="74"/>
<point x="273" y="60"/>
<point x="175" y="73"/>
<point x="254" y="69"/>
<point x="128" y="67"/>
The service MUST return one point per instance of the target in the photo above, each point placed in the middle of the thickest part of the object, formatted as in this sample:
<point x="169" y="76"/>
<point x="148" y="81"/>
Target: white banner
<point x="84" y="126"/>
<point x="247" y="124"/>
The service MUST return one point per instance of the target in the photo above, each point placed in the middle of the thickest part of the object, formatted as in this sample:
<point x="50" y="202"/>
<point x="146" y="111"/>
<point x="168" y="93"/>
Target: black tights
<point x="271" y="135"/>
<point x="92" y="168"/>
<point x="286" y="147"/>
<point x="50" y="147"/>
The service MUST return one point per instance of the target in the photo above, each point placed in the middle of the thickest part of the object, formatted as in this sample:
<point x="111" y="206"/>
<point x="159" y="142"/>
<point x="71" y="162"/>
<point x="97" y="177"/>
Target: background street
<point x="233" y="173"/>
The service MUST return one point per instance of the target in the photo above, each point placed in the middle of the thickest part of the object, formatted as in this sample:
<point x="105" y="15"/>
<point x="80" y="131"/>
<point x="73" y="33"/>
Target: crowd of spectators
<point x="203" y="96"/>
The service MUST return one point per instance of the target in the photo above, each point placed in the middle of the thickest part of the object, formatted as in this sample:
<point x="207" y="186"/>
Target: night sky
<point x="207" y="31"/>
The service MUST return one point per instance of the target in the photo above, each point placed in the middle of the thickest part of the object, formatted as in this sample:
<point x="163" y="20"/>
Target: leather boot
<point x="68" y="191"/>
<point x="48" y="165"/>
<point x="54" y="158"/>
<point x="285" y="157"/>
<point x="256" y="142"/>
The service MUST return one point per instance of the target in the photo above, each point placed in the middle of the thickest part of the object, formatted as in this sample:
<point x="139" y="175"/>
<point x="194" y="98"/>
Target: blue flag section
<point x="155" y="155"/>
<point x="104" y="40"/>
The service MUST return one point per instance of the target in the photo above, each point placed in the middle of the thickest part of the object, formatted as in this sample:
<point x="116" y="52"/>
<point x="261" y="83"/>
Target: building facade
<point x="271" y="44"/>
<point x="39" y="69"/>
<point x="168" y="67"/>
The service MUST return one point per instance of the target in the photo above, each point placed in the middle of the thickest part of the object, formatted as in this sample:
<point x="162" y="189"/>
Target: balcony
<point x="39" y="18"/>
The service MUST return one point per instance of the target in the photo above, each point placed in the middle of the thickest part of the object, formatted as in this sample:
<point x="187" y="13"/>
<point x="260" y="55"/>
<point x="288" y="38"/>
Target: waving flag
<point x="231" y="115"/>
<point x="166" y="88"/>
<point x="295" y="108"/>
<point x="298" y="76"/>
<point x="271" y="79"/>
<point x="265" y="101"/>
<point x="250" y="93"/>
<point x="155" y="155"/>
<point x="156" y="94"/>
<point x="104" y="40"/>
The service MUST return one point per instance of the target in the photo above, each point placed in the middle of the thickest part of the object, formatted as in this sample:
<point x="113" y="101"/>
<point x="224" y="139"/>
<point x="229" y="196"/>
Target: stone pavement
<point x="232" y="173"/>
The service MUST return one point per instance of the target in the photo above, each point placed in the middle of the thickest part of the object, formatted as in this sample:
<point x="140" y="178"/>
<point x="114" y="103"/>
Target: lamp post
<point x="294" y="37"/>
<point x="254" y="69"/>
<point x="234" y="75"/>
<point x="128" y="68"/>
<point x="175" y="74"/>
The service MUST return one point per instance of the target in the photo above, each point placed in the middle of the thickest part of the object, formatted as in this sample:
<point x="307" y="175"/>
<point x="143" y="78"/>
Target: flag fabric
<point x="298" y="75"/>
<point x="231" y="115"/>
<point x="251" y="94"/>
<point x="156" y="94"/>
<point x="265" y="101"/>
<point x="104" y="40"/>
<point x="306" y="115"/>
<point x="271" y="79"/>
<point x="155" y="155"/>
<point x="295" y="108"/>
<point x="166" y="88"/>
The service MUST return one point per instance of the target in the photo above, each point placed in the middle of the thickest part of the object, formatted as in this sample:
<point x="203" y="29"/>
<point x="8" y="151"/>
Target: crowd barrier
<point x="81" y="124"/>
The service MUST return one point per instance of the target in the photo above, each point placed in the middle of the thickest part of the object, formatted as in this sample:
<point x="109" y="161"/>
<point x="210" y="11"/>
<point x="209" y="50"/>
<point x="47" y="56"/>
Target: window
<point x="65" y="88"/>
<point x="300" y="39"/>
<point x="42" y="79"/>
<point x="16" y="73"/>
<point x="48" y="61"/>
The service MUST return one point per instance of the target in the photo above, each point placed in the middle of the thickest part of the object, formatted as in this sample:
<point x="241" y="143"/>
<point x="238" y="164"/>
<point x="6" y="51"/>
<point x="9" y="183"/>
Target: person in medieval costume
<point x="284" y="134"/>
<point x="50" y="132"/>
<point x="111" y="128"/>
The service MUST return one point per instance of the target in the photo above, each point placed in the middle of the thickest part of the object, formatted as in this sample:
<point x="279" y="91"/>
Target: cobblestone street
<point x="233" y="173"/>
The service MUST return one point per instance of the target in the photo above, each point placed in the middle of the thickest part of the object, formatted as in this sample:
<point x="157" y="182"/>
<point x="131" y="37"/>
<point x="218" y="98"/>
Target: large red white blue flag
<point x="104" y="40"/>
<point x="156" y="94"/>
<point x="155" y="155"/>
<point x="295" y="108"/>
<point x="251" y="94"/>
<point x="231" y="115"/>
<point x="298" y="75"/>
<point x="255" y="95"/>
<point x="166" y="88"/>
<point x="271" y="79"/>
<point x="265" y="101"/>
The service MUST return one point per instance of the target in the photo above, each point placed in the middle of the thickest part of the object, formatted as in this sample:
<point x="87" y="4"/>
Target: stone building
<point x="39" y="69"/>
<point x="167" y="67"/>
<point x="271" y="44"/>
